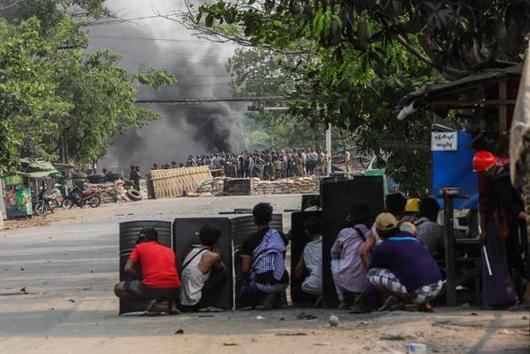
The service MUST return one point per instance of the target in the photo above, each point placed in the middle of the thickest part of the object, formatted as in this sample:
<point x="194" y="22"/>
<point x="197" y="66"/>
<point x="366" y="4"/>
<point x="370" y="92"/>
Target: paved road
<point x="68" y="269"/>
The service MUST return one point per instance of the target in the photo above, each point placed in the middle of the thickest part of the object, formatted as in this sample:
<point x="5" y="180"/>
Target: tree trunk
<point x="1" y="221"/>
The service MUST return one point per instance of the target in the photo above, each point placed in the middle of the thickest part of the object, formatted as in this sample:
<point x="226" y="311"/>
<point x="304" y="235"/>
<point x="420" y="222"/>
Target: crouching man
<point x="309" y="266"/>
<point x="402" y="269"/>
<point x="263" y="260"/>
<point x="203" y="274"/>
<point x="158" y="279"/>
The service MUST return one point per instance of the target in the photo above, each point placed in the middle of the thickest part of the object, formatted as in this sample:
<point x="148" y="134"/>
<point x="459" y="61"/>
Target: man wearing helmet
<point x="503" y="231"/>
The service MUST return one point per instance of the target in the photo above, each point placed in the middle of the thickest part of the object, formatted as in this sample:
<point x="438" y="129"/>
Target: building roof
<point x="445" y="95"/>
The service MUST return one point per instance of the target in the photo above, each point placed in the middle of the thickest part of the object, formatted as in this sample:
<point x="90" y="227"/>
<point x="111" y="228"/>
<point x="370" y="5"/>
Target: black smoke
<point x="199" y="67"/>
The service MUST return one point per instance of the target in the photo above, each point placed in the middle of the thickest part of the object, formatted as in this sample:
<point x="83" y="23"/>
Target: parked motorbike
<point x="80" y="198"/>
<point x="45" y="203"/>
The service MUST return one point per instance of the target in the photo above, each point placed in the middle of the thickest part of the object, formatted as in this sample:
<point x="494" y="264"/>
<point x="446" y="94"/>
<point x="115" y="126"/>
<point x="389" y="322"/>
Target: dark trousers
<point x="213" y="288"/>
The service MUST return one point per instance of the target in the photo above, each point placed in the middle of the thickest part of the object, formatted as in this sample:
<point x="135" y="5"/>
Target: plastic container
<point x="415" y="348"/>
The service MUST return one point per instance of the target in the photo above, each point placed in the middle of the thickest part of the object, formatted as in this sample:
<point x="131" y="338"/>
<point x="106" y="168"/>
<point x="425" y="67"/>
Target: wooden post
<point x="450" y="266"/>
<point x="503" y="107"/>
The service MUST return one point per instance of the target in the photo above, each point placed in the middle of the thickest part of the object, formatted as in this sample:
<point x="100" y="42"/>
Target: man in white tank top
<point x="203" y="273"/>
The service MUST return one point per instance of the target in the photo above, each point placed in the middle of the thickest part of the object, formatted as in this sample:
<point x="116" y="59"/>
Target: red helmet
<point x="483" y="160"/>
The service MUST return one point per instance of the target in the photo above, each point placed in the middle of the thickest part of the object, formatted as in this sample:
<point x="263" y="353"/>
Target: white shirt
<point x="192" y="279"/>
<point x="313" y="261"/>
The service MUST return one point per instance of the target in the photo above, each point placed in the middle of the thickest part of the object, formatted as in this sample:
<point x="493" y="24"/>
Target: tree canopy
<point x="54" y="94"/>
<point x="455" y="37"/>
<point x="354" y="60"/>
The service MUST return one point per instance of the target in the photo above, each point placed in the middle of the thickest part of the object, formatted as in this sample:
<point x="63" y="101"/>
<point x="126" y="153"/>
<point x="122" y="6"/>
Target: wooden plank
<point x="470" y="104"/>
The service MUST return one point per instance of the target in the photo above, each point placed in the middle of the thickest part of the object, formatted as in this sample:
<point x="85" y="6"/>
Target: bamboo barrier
<point x="175" y="182"/>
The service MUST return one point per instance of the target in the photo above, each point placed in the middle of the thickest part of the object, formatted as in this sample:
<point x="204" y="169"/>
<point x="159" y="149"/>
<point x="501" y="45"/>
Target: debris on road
<point x="259" y="318"/>
<point x="230" y="344"/>
<point x="179" y="331"/>
<point x="322" y="344"/>
<point x="304" y="316"/>
<point x="334" y="321"/>
<point x="291" y="334"/>
<point x="415" y="348"/>
<point x="395" y="337"/>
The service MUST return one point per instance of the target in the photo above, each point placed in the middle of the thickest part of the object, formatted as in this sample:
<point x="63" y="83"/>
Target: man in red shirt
<point x="158" y="268"/>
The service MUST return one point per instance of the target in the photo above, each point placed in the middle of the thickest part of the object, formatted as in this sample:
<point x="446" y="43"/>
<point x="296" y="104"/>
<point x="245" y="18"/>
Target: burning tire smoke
<point x="199" y="66"/>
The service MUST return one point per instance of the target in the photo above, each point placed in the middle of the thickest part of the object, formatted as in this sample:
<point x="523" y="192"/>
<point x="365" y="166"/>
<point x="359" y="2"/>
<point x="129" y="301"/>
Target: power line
<point x="197" y="100"/>
<point x="160" y="39"/>
<point x="163" y="54"/>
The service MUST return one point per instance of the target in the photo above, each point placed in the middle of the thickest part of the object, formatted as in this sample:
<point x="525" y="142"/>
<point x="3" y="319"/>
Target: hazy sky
<point x="200" y="69"/>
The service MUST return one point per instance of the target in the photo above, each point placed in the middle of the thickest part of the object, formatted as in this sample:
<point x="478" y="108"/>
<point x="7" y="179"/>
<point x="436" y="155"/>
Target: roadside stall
<point x="22" y="187"/>
<point x="481" y="107"/>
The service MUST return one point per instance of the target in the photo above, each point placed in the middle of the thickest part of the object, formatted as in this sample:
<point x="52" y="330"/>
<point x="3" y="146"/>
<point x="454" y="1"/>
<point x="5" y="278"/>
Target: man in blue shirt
<point x="402" y="268"/>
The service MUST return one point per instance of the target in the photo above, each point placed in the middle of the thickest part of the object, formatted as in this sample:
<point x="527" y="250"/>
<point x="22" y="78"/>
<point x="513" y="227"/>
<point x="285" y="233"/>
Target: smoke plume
<point x="199" y="66"/>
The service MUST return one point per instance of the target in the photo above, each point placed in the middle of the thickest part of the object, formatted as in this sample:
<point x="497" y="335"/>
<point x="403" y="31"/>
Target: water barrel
<point x="128" y="235"/>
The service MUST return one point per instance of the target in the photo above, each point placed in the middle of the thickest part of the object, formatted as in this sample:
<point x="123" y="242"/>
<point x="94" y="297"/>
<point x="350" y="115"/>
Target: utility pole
<point x="328" y="149"/>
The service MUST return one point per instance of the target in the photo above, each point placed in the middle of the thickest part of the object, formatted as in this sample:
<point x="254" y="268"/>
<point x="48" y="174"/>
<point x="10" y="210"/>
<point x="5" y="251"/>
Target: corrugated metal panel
<point x="242" y="227"/>
<point x="298" y="242"/>
<point x="185" y="234"/>
<point x="128" y="235"/>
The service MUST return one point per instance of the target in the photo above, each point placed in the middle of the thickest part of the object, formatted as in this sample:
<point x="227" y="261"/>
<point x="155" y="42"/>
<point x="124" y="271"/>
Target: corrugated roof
<point x="431" y="92"/>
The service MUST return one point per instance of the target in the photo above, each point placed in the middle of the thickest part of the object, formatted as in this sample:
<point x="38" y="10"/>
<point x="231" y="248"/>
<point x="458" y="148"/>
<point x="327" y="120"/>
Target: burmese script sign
<point x="444" y="141"/>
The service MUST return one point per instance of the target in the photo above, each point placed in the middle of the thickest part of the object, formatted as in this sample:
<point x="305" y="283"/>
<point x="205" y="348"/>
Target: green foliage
<point x="52" y="92"/>
<point x="456" y="37"/>
<point x="355" y="91"/>
<point x="28" y="98"/>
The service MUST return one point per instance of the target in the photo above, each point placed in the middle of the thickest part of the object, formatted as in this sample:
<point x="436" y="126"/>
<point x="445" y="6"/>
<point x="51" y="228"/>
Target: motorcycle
<point x="80" y="198"/>
<point x="45" y="203"/>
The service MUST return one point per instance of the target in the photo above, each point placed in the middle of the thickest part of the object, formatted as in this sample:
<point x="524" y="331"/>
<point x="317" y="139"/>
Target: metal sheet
<point x="337" y="200"/>
<point x="242" y="227"/>
<point x="185" y="235"/>
<point x="298" y="242"/>
<point x="128" y="234"/>
<point x="237" y="186"/>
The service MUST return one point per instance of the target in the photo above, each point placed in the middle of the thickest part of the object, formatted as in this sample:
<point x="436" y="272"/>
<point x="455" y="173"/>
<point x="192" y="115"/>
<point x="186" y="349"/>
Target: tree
<point x="28" y="97"/>
<point x="54" y="93"/>
<point x="455" y="37"/>
<point x="351" y="97"/>
<point x="365" y="55"/>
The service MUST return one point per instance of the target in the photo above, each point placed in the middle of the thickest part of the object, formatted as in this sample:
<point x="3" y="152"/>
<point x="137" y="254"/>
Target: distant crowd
<point x="266" y="164"/>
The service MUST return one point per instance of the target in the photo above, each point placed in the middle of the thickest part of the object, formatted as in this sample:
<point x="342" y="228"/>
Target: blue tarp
<point x="454" y="169"/>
